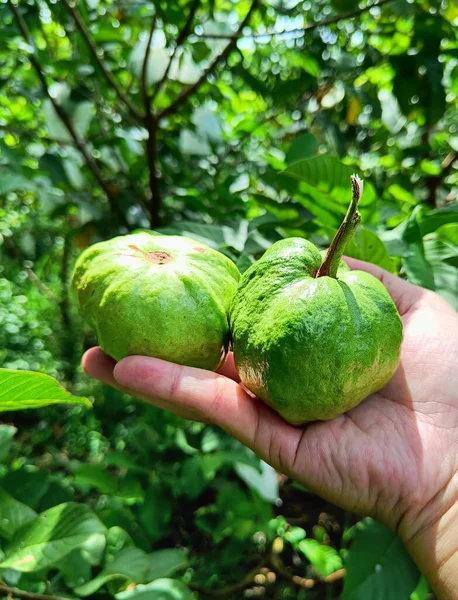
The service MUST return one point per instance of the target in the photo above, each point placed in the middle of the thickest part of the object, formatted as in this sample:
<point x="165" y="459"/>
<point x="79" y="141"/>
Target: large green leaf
<point x="432" y="220"/>
<point x="304" y="146"/>
<point x="378" y="565"/>
<point x="328" y="176"/>
<point x="161" y="589"/>
<point x="366" y="245"/>
<point x="10" y="182"/>
<point x="95" y="476"/>
<point x="51" y="536"/>
<point x="20" y="390"/>
<point x="136" y="566"/>
<point x="13" y="515"/>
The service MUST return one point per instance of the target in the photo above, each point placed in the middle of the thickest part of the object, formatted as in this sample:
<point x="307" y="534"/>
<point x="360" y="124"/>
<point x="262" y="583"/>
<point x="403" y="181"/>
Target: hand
<point x="393" y="457"/>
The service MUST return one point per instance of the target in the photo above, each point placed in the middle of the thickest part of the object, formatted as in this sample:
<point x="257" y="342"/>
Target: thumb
<point x="403" y="293"/>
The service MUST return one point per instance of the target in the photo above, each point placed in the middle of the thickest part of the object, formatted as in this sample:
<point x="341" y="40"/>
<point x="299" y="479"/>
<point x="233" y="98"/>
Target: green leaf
<point x="378" y="565"/>
<point x="325" y="559"/>
<point x="13" y="515"/>
<point x="26" y="486"/>
<point x="20" y="390"/>
<point x="328" y="176"/>
<point x="419" y="271"/>
<point x="136" y="566"/>
<point x="94" y="476"/>
<point x="53" y="165"/>
<point x="432" y="220"/>
<point x="7" y="433"/>
<point x="156" y="512"/>
<point x="51" y="536"/>
<point x="161" y="589"/>
<point x="304" y="146"/>
<point x="402" y="195"/>
<point x="422" y="591"/>
<point x="366" y="245"/>
<point x="10" y="182"/>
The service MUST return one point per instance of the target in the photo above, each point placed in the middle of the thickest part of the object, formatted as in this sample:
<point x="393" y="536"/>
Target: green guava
<point x="312" y="338"/>
<point x="157" y="295"/>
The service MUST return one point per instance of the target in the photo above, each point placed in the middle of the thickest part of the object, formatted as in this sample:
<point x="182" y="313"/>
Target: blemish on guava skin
<point x="158" y="257"/>
<point x="199" y="249"/>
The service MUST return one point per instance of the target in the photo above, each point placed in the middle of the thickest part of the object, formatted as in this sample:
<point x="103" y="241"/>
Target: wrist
<point x="432" y="541"/>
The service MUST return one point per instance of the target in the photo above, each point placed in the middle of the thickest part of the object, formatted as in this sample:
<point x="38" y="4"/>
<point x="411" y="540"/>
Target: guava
<point x="312" y="338"/>
<point x="157" y="295"/>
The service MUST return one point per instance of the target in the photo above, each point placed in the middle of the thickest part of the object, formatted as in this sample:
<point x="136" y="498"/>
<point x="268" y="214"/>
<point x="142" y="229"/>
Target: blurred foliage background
<point x="237" y="123"/>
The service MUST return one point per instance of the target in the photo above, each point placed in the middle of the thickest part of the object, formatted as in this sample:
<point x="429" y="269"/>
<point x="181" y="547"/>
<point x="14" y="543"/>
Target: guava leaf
<point x="51" y="536"/>
<point x="20" y="390"/>
<point x="378" y="565"/>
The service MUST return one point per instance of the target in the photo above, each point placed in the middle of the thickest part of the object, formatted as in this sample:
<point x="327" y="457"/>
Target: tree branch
<point x="5" y="590"/>
<point x="222" y="57"/>
<point x="151" y="125"/>
<point x="433" y="182"/>
<point x="183" y="34"/>
<point x="299" y="30"/>
<point x="228" y="590"/>
<point x="82" y="28"/>
<point x="14" y="252"/>
<point x="144" y="73"/>
<point x="90" y="162"/>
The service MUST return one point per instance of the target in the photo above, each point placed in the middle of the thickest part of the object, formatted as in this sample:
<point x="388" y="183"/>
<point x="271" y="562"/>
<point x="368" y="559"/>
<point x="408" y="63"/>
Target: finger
<point x="100" y="366"/>
<point x="215" y="399"/>
<point x="228" y="369"/>
<point x="404" y="294"/>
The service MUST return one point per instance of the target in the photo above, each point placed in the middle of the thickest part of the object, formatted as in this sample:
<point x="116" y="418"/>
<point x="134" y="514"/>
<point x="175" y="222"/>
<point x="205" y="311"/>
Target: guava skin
<point x="312" y="347"/>
<point x="157" y="295"/>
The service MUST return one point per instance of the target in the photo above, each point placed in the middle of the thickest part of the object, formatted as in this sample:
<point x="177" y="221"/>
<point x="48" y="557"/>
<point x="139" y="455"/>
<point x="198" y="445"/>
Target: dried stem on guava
<point x="348" y="227"/>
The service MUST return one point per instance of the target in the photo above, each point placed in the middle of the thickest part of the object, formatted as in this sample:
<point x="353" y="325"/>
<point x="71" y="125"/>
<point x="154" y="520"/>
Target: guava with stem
<point x="312" y="338"/>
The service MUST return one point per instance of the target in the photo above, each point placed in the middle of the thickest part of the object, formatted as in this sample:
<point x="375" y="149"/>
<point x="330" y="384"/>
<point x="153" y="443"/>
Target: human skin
<point x="394" y="457"/>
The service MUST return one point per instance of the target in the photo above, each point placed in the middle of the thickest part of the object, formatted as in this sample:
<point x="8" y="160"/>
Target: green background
<point x="183" y="116"/>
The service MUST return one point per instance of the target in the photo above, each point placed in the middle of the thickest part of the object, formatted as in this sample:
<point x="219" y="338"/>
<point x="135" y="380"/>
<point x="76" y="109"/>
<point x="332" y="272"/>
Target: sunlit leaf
<point x="51" y="536"/>
<point x="378" y="565"/>
<point x="20" y="390"/>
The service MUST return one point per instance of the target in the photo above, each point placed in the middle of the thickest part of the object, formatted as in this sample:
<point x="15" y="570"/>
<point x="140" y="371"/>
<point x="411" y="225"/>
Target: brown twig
<point x="433" y="182"/>
<point x="144" y="72"/>
<point x="5" y="590"/>
<point x="228" y="590"/>
<point x="299" y="30"/>
<point x="304" y="582"/>
<point x="151" y="125"/>
<point x="90" y="162"/>
<point x="14" y="252"/>
<point x="183" y="34"/>
<point x="82" y="28"/>
<point x="222" y="57"/>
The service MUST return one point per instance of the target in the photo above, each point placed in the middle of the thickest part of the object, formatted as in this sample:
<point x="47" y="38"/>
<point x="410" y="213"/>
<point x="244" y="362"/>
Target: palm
<point x="397" y="438"/>
<point x="387" y="456"/>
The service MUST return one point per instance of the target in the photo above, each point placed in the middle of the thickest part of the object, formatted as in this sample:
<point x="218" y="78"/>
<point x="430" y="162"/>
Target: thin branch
<point x="151" y="125"/>
<point x="91" y="164"/>
<point x="144" y="73"/>
<point x="299" y="30"/>
<point x="183" y="34"/>
<point x="14" y="252"/>
<point x="303" y="582"/>
<point x="229" y="589"/>
<point x="5" y="590"/>
<point x="433" y="182"/>
<point x="222" y="57"/>
<point x="82" y="28"/>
